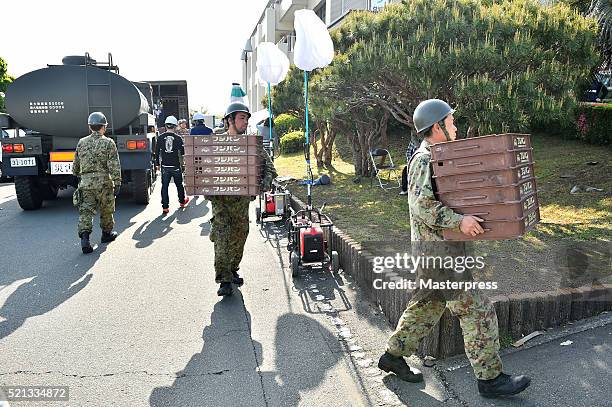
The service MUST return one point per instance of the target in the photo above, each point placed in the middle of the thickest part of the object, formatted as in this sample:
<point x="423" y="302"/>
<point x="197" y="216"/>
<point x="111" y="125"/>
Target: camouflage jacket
<point x="96" y="162"/>
<point x="428" y="216"/>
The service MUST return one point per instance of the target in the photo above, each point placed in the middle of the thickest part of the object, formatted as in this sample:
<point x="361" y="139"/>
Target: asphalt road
<point x="138" y="323"/>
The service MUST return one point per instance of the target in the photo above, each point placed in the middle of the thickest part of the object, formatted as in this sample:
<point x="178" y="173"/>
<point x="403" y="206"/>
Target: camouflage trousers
<point x="229" y="231"/>
<point x="92" y="200"/>
<point x="478" y="323"/>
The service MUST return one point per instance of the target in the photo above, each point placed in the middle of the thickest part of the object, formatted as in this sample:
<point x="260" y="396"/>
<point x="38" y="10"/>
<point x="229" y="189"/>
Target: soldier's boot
<point x="85" y="244"/>
<point x="239" y="281"/>
<point x="225" y="289"/>
<point x="503" y="385"/>
<point x="108" y="237"/>
<point x="398" y="365"/>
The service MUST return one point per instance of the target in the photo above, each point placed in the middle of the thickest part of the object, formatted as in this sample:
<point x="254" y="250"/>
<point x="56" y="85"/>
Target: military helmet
<point x="236" y="107"/>
<point x="430" y="112"/>
<point x="97" y="119"/>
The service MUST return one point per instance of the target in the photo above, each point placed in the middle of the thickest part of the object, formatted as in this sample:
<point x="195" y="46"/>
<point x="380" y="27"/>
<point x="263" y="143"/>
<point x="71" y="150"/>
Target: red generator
<point x="307" y="246"/>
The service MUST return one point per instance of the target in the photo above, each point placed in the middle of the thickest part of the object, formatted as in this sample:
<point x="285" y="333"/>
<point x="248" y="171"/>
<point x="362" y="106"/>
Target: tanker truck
<point x="52" y="105"/>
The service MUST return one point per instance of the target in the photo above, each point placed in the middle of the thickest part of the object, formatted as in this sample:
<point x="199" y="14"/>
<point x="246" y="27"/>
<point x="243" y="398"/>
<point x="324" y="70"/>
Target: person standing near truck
<point x="200" y="128"/>
<point x="96" y="164"/>
<point x="170" y="152"/>
<point x="182" y="129"/>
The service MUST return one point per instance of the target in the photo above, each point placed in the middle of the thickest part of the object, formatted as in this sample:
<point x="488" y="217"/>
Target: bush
<point x="594" y="123"/>
<point x="506" y="65"/>
<point x="285" y="123"/>
<point x="292" y="142"/>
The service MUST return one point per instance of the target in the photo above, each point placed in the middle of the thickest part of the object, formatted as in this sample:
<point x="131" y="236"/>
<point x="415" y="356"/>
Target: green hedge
<point x="594" y="123"/>
<point x="292" y="142"/>
<point x="285" y="123"/>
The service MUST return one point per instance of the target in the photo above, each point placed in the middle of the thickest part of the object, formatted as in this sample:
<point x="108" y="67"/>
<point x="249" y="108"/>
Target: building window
<point x="320" y="11"/>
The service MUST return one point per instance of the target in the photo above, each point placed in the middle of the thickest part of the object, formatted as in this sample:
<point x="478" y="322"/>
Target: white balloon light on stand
<point x="313" y="49"/>
<point x="272" y="68"/>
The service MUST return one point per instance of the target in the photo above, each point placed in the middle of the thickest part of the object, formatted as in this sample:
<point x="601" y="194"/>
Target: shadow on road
<point x="228" y="371"/>
<point x="43" y="257"/>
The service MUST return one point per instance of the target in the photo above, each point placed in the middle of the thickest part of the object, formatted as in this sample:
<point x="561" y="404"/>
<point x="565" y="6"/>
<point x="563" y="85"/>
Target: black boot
<point x="239" y="281"/>
<point x="85" y="244"/>
<point x="108" y="237"/>
<point x="225" y="289"/>
<point x="503" y="385"/>
<point x="398" y="365"/>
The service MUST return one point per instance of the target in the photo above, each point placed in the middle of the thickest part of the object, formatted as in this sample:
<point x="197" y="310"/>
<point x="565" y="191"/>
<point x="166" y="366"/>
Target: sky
<point x="197" y="41"/>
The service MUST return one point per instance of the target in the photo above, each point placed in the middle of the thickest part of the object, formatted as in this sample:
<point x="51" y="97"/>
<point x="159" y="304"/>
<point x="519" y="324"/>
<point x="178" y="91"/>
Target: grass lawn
<point x="367" y="213"/>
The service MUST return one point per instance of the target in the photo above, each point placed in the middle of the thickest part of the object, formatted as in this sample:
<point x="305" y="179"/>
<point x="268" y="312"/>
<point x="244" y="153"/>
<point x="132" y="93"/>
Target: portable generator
<point x="307" y="246"/>
<point x="274" y="203"/>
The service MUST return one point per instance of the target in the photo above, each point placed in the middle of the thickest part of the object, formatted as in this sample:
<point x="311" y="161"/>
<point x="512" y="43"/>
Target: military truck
<point x="52" y="105"/>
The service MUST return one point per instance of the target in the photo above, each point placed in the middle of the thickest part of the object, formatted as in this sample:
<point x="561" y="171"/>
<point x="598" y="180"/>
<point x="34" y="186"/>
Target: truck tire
<point x="141" y="186"/>
<point x="49" y="192"/>
<point x="29" y="195"/>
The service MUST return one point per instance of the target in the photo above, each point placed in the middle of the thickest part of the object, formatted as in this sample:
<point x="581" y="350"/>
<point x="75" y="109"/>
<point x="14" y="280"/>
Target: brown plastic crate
<point x="198" y="180"/>
<point x="199" y="160"/>
<point x="480" y="163"/>
<point x="482" y="179"/>
<point x="223" y="190"/>
<point x="501" y="211"/>
<point x="501" y="229"/>
<point x="223" y="170"/>
<point x="488" y="195"/>
<point x="222" y="140"/>
<point x="495" y="143"/>
<point x="229" y="150"/>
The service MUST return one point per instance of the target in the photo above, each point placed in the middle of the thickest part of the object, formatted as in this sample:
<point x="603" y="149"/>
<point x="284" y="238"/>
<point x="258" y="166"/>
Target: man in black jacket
<point x="170" y="151"/>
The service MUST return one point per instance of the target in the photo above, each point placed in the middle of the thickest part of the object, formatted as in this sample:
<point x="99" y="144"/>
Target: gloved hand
<point x="117" y="189"/>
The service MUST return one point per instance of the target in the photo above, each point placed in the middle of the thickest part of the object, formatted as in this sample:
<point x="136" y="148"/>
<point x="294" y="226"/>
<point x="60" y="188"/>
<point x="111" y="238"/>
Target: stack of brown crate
<point x="490" y="177"/>
<point x="223" y="164"/>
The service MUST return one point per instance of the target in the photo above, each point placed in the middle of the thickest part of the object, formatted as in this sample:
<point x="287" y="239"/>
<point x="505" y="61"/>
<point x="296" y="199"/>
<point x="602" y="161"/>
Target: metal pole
<point x="271" y="146"/>
<point x="307" y="145"/>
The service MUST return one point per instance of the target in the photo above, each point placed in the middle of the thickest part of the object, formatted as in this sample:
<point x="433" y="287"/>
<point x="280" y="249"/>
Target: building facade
<point x="276" y="25"/>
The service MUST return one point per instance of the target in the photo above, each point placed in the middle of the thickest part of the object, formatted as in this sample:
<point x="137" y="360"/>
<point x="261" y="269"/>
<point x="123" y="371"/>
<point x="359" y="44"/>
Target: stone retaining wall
<point x="517" y="314"/>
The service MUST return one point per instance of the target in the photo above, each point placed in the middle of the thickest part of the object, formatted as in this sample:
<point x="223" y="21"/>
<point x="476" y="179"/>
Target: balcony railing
<point x="287" y="42"/>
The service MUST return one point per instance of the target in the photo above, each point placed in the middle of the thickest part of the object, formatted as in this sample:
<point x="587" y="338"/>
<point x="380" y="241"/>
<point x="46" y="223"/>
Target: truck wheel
<point x="295" y="263"/>
<point x="28" y="192"/>
<point x="49" y="192"/>
<point x="141" y="186"/>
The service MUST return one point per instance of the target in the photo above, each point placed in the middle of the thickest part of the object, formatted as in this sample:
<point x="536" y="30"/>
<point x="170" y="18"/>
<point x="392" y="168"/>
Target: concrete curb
<point x="517" y="314"/>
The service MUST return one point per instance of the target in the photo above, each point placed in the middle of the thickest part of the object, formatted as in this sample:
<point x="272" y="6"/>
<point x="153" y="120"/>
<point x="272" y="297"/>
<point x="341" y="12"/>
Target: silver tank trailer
<point x="57" y="100"/>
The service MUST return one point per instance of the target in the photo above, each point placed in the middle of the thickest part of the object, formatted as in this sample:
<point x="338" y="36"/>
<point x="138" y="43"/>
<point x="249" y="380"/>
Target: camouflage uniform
<point x="428" y="218"/>
<point x="96" y="162"/>
<point x="230" y="225"/>
<point x="182" y="132"/>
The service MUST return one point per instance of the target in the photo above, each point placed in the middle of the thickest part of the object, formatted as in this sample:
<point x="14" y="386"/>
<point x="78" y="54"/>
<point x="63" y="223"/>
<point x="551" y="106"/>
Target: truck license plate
<point x="61" y="168"/>
<point x="23" y="162"/>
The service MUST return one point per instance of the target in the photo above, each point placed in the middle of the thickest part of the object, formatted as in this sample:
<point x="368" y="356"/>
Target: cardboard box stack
<point x="490" y="177"/>
<point x="223" y="165"/>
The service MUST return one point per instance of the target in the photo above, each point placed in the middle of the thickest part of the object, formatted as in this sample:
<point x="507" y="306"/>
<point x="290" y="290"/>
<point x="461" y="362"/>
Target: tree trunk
<point x="384" y="138"/>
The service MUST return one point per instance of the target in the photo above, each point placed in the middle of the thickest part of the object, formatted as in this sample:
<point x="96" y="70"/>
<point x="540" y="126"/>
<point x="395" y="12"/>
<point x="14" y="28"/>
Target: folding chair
<point x="386" y="172"/>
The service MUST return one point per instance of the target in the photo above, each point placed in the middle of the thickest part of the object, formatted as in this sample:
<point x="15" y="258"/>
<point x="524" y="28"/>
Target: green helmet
<point x="236" y="107"/>
<point x="430" y="112"/>
<point x="97" y="118"/>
